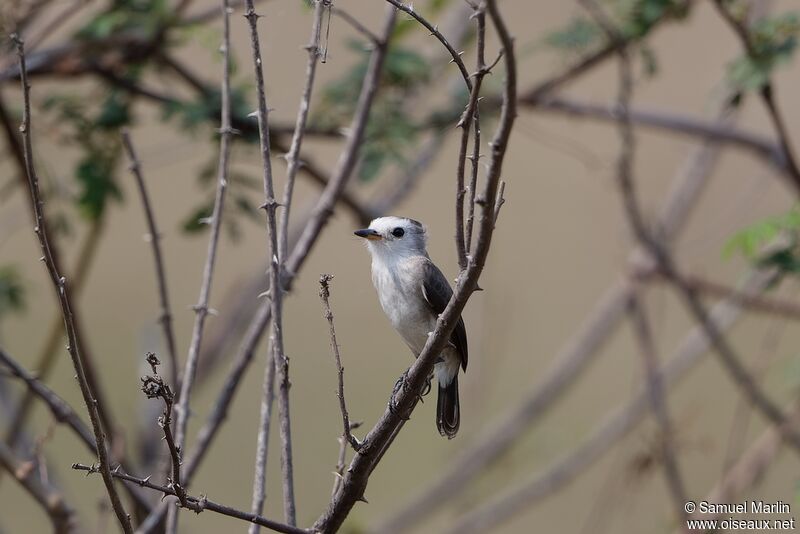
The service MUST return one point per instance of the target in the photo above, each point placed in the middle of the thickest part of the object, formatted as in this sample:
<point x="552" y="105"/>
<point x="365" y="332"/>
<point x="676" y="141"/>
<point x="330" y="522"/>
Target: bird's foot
<point x="427" y="388"/>
<point x="398" y="388"/>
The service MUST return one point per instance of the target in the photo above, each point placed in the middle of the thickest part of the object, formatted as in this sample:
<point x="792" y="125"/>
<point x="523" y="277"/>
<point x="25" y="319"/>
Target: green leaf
<point x="773" y="41"/>
<point x="196" y="221"/>
<point x="95" y="174"/>
<point x="751" y="241"/>
<point x="12" y="291"/>
<point x="578" y="36"/>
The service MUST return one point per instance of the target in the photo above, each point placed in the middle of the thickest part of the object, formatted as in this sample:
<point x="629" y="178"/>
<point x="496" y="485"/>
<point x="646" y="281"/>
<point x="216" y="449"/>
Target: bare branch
<point x="780" y="307"/>
<point x="760" y="145"/>
<point x="468" y="119"/>
<point x="153" y="387"/>
<point x="324" y="294"/>
<point x="165" y="317"/>
<point x="658" y="404"/>
<point x="63" y="295"/>
<point x="60" y="513"/>
<point x="352" y="21"/>
<point x="276" y="262"/>
<point x="199" y="504"/>
<point x="201" y="309"/>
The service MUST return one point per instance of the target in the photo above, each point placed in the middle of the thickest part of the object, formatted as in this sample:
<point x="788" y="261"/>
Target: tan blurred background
<point x="560" y="242"/>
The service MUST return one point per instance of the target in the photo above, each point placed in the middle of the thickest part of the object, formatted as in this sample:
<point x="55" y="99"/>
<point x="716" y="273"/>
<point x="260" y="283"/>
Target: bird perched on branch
<point x="413" y="292"/>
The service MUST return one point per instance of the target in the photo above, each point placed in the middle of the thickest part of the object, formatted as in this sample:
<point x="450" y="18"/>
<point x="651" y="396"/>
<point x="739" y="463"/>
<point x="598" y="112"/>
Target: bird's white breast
<point x="400" y="293"/>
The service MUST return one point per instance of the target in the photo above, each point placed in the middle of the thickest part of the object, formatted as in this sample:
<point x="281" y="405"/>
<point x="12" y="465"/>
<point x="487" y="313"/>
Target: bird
<point x="413" y="292"/>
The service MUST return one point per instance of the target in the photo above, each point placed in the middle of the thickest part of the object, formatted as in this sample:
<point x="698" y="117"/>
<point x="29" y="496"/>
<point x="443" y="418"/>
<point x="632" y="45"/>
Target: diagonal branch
<point x="61" y="514"/>
<point x="64" y="299"/>
<point x="658" y="404"/>
<point x="199" y="504"/>
<point x="62" y="412"/>
<point x="165" y="317"/>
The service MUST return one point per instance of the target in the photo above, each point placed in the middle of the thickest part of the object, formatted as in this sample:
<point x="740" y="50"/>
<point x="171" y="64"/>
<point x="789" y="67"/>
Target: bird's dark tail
<point x="448" y="413"/>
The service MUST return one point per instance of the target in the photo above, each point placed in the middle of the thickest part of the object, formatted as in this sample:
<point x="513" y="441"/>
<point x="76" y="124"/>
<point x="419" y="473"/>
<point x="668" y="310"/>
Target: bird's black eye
<point x="398" y="232"/>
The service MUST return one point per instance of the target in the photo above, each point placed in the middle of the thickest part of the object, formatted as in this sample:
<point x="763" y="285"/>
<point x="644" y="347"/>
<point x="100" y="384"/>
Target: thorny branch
<point x="154" y="237"/>
<point x="470" y="120"/>
<point x="658" y="404"/>
<point x="63" y="295"/>
<point x="276" y="262"/>
<point x="198" y="504"/>
<point x="153" y="387"/>
<point x="201" y="309"/>
<point x="324" y="295"/>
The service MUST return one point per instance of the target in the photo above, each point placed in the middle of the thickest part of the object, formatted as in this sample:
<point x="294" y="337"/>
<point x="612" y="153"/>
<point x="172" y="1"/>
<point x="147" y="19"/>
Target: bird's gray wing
<point x="437" y="293"/>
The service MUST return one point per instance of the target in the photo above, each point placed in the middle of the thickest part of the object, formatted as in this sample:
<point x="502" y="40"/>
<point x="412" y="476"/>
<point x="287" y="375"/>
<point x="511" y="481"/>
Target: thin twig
<point x="199" y="504"/>
<point x="153" y="387"/>
<point x="761" y="146"/>
<point x="201" y="309"/>
<point x="60" y="513"/>
<point x="281" y="361"/>
<point x="154" y="236"/>
<point x="772" y="305"/>
<point x="293" y="157"/>
<point x="468" y="119"/>
<point x="219" y="411"/>
<point x="63" y="295"/>
<point x="354" y="22"/>
<point x="324" y="294"/>
<point x="658" y="404"/>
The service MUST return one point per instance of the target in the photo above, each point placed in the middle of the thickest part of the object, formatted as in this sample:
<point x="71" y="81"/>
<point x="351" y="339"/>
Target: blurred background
<point x="561" y="245"/>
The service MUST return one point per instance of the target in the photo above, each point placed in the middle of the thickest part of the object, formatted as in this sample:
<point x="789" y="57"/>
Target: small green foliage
<point x="196" y="222"/>
<point x="649" y="60"/>
<point x="773" y="42"/>
<point x="638" y="17"/>
<point x="580" y="35"/>
<point x="94" y="130"/>
<point x="772" y="242"/>
<point x="12" y="291"/>
<point x="391" y="130"/>
<point x="143" y="17"/>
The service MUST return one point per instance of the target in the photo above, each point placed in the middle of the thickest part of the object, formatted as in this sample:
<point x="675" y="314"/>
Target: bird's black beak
<point x="368" y="233"/>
